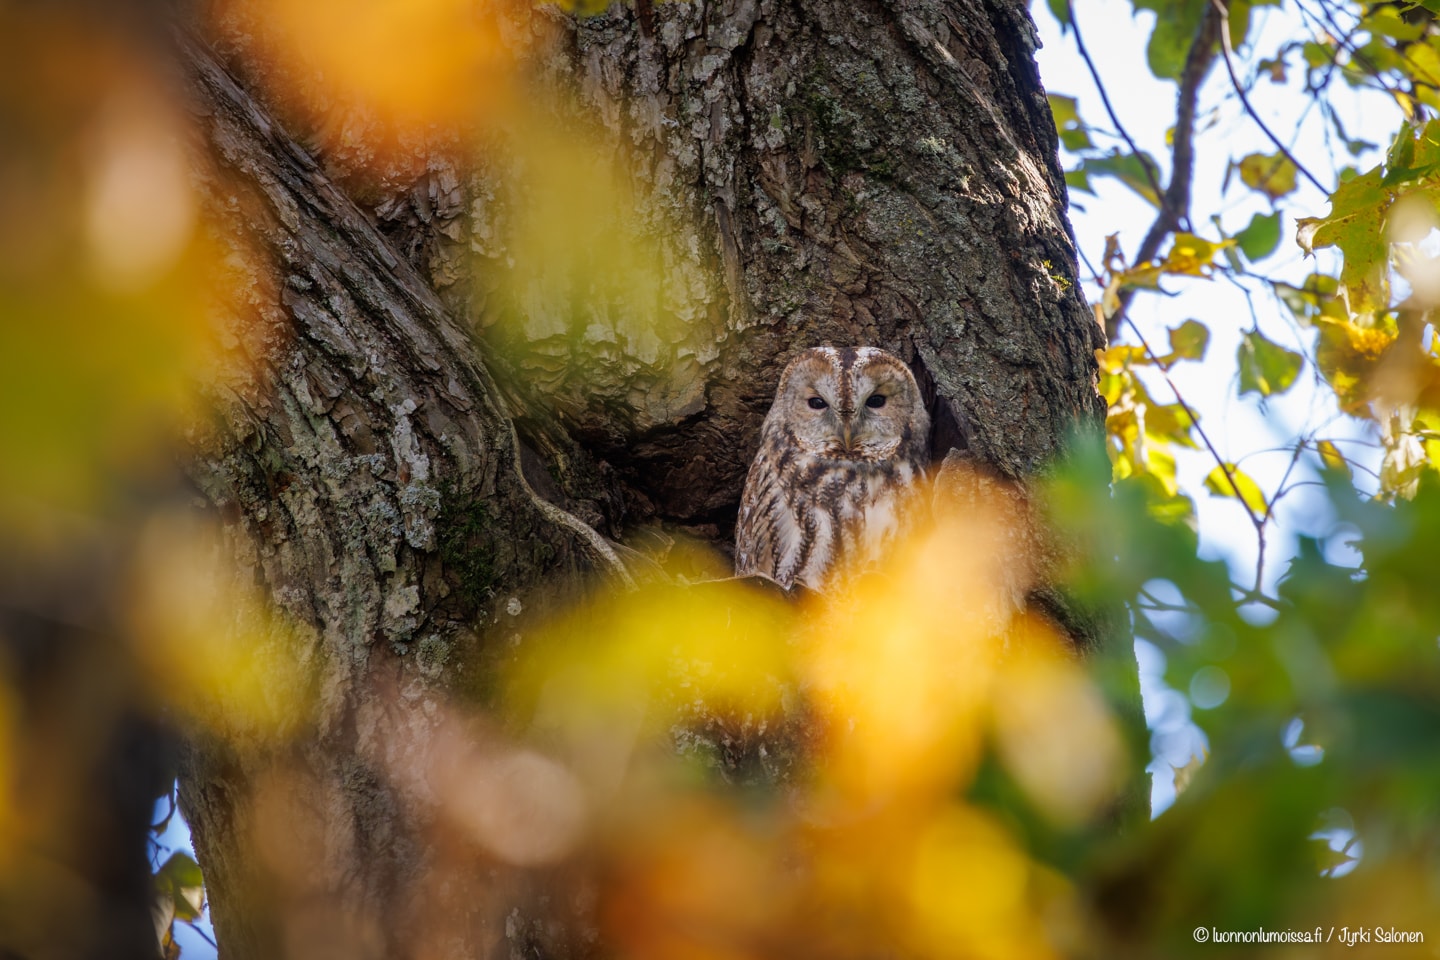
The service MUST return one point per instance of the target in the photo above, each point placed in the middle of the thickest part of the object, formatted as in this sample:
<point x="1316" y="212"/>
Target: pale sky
<point x="1254" y="435"/>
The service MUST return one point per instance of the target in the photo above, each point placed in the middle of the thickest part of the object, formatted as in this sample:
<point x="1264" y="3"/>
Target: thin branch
<point x="1288" y="450"/>
<point x="1341" y="43"/>
<point x="1358" y="441"/>
<point x="1226" y="468"/>
<point x="1155" y="603"/>
<point x="1255" y="596"/>
<point x="1105" y="99"/>
<point x="203" y="935"/>
<point x="1270" y="510"/>
<point x="1229" y="54"/>
<point x="1094" y="274"/>
<point x="1175" y="202"/>
<point x="1344" y="43"/>
<point x="1259" y="554"/>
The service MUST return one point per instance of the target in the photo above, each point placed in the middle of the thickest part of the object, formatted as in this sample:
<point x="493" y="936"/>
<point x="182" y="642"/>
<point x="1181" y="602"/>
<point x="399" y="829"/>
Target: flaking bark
<point x="355" y="429"/>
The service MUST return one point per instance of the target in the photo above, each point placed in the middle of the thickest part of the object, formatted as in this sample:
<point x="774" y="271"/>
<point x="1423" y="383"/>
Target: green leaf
<point x="1385" y="21"/>
<point x="1361" y="196"/>
<point x="180" y="879"/>
<point x="1266" y="368"/>
<point x="1230" y="481"/>
<point x="1178" y="510"/>
<point x="1060" y="10"/>
<point x="1356" y="226"/>
<point x="1308" y="300"/>
<point x="1270" y="173"/>
<point x="1424" y="62"/>
<point x="1129" y="169"/>
<point x="1064" y="110"/>
<point x="1258" y="240"/>
<point x="1427" y="146"/>
<point x="1400" y="163"/>
<point x="1079" y="179"/>
<point x="1071" y="129"/>
<point x="1240" y="19"/>
<point x="1076" y="140"/>
<point x="1189" y="340"/>
<point x="1315" y="55"/>
<point x="1358" y="195"/>
<point x="1175" y="24"/>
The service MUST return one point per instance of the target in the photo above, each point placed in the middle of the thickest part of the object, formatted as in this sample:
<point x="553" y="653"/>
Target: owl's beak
<point x="845" y="436"/>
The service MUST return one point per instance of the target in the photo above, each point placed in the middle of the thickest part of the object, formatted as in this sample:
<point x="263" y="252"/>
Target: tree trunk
<point x="881" y="173"/>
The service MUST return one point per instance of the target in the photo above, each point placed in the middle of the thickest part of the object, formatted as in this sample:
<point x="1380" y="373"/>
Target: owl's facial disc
<point x="858" y="406"/>
<point x="877" y="422"/>
<point x="820" y="423"/>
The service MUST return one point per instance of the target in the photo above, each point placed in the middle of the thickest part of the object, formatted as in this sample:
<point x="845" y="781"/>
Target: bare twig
<point x="1343" y="42"/>
<point x="1270" y="507"/>
<point x="1229" y="54"/>
<point x="1155" y="603"/>
<point x="1175" y="202"/>
<point x="203" y="935"/>
<point x="1225" y="467"/>
<point x="1094" y="274"/>
<point x="1255" y="596"/>
<point x="1105" y="99"/>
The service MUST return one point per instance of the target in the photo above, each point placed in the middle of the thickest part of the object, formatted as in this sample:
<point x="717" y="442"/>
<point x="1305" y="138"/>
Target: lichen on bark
<point x="423" y="415"/>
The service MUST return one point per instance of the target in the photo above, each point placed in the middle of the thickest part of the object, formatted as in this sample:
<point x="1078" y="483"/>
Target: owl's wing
<point x="755" y="533"/>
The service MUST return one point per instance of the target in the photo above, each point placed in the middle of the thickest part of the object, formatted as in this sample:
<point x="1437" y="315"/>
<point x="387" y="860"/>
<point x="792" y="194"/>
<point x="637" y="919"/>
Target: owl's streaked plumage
<point x="842" y="446"/>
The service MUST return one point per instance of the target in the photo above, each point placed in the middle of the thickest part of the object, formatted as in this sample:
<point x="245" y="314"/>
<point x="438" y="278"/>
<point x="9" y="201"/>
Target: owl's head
<point x="859" y="404"/>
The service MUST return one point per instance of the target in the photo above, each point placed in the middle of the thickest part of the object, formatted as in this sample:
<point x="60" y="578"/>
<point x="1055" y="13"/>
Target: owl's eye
<point x="876" y="401"/>
<point x="817" y="404"/>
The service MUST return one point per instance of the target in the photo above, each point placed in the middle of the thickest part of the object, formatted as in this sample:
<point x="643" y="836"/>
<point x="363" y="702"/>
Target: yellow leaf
<point x="1331" y="456"/>
<point x="1192" y="256"/>
<point x="1122" y="467"/>
<point x="1160" y="464"/>
<point x="1117" y="358"/>
<point x="1146" y="275"/>
<point x="332" y="48"/>
<point x="1111" y="385"/>
<point x="1184" y="774"/>
<point x="1228" y="480"/>
<point x="1270" y="174"/>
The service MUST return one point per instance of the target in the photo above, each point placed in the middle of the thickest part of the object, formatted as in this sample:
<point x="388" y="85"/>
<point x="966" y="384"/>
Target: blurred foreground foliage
<point x="951" y="780"/>
<point x="1316" y="802"/>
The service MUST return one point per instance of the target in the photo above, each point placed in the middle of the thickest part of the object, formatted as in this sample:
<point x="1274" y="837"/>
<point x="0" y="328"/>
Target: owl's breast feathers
<point x="805" y="517"/>
<point x="841" y="451"/>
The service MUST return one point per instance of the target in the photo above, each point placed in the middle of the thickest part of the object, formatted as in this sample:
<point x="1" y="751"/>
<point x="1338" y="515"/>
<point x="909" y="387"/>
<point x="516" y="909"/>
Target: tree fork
<point x="880" y="173"/>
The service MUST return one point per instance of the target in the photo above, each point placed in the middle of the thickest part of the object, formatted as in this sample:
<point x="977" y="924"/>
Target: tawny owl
<point x="840" y="450"/>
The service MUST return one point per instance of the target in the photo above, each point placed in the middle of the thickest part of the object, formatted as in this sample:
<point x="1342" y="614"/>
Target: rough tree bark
<point x="881" y="172"/>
